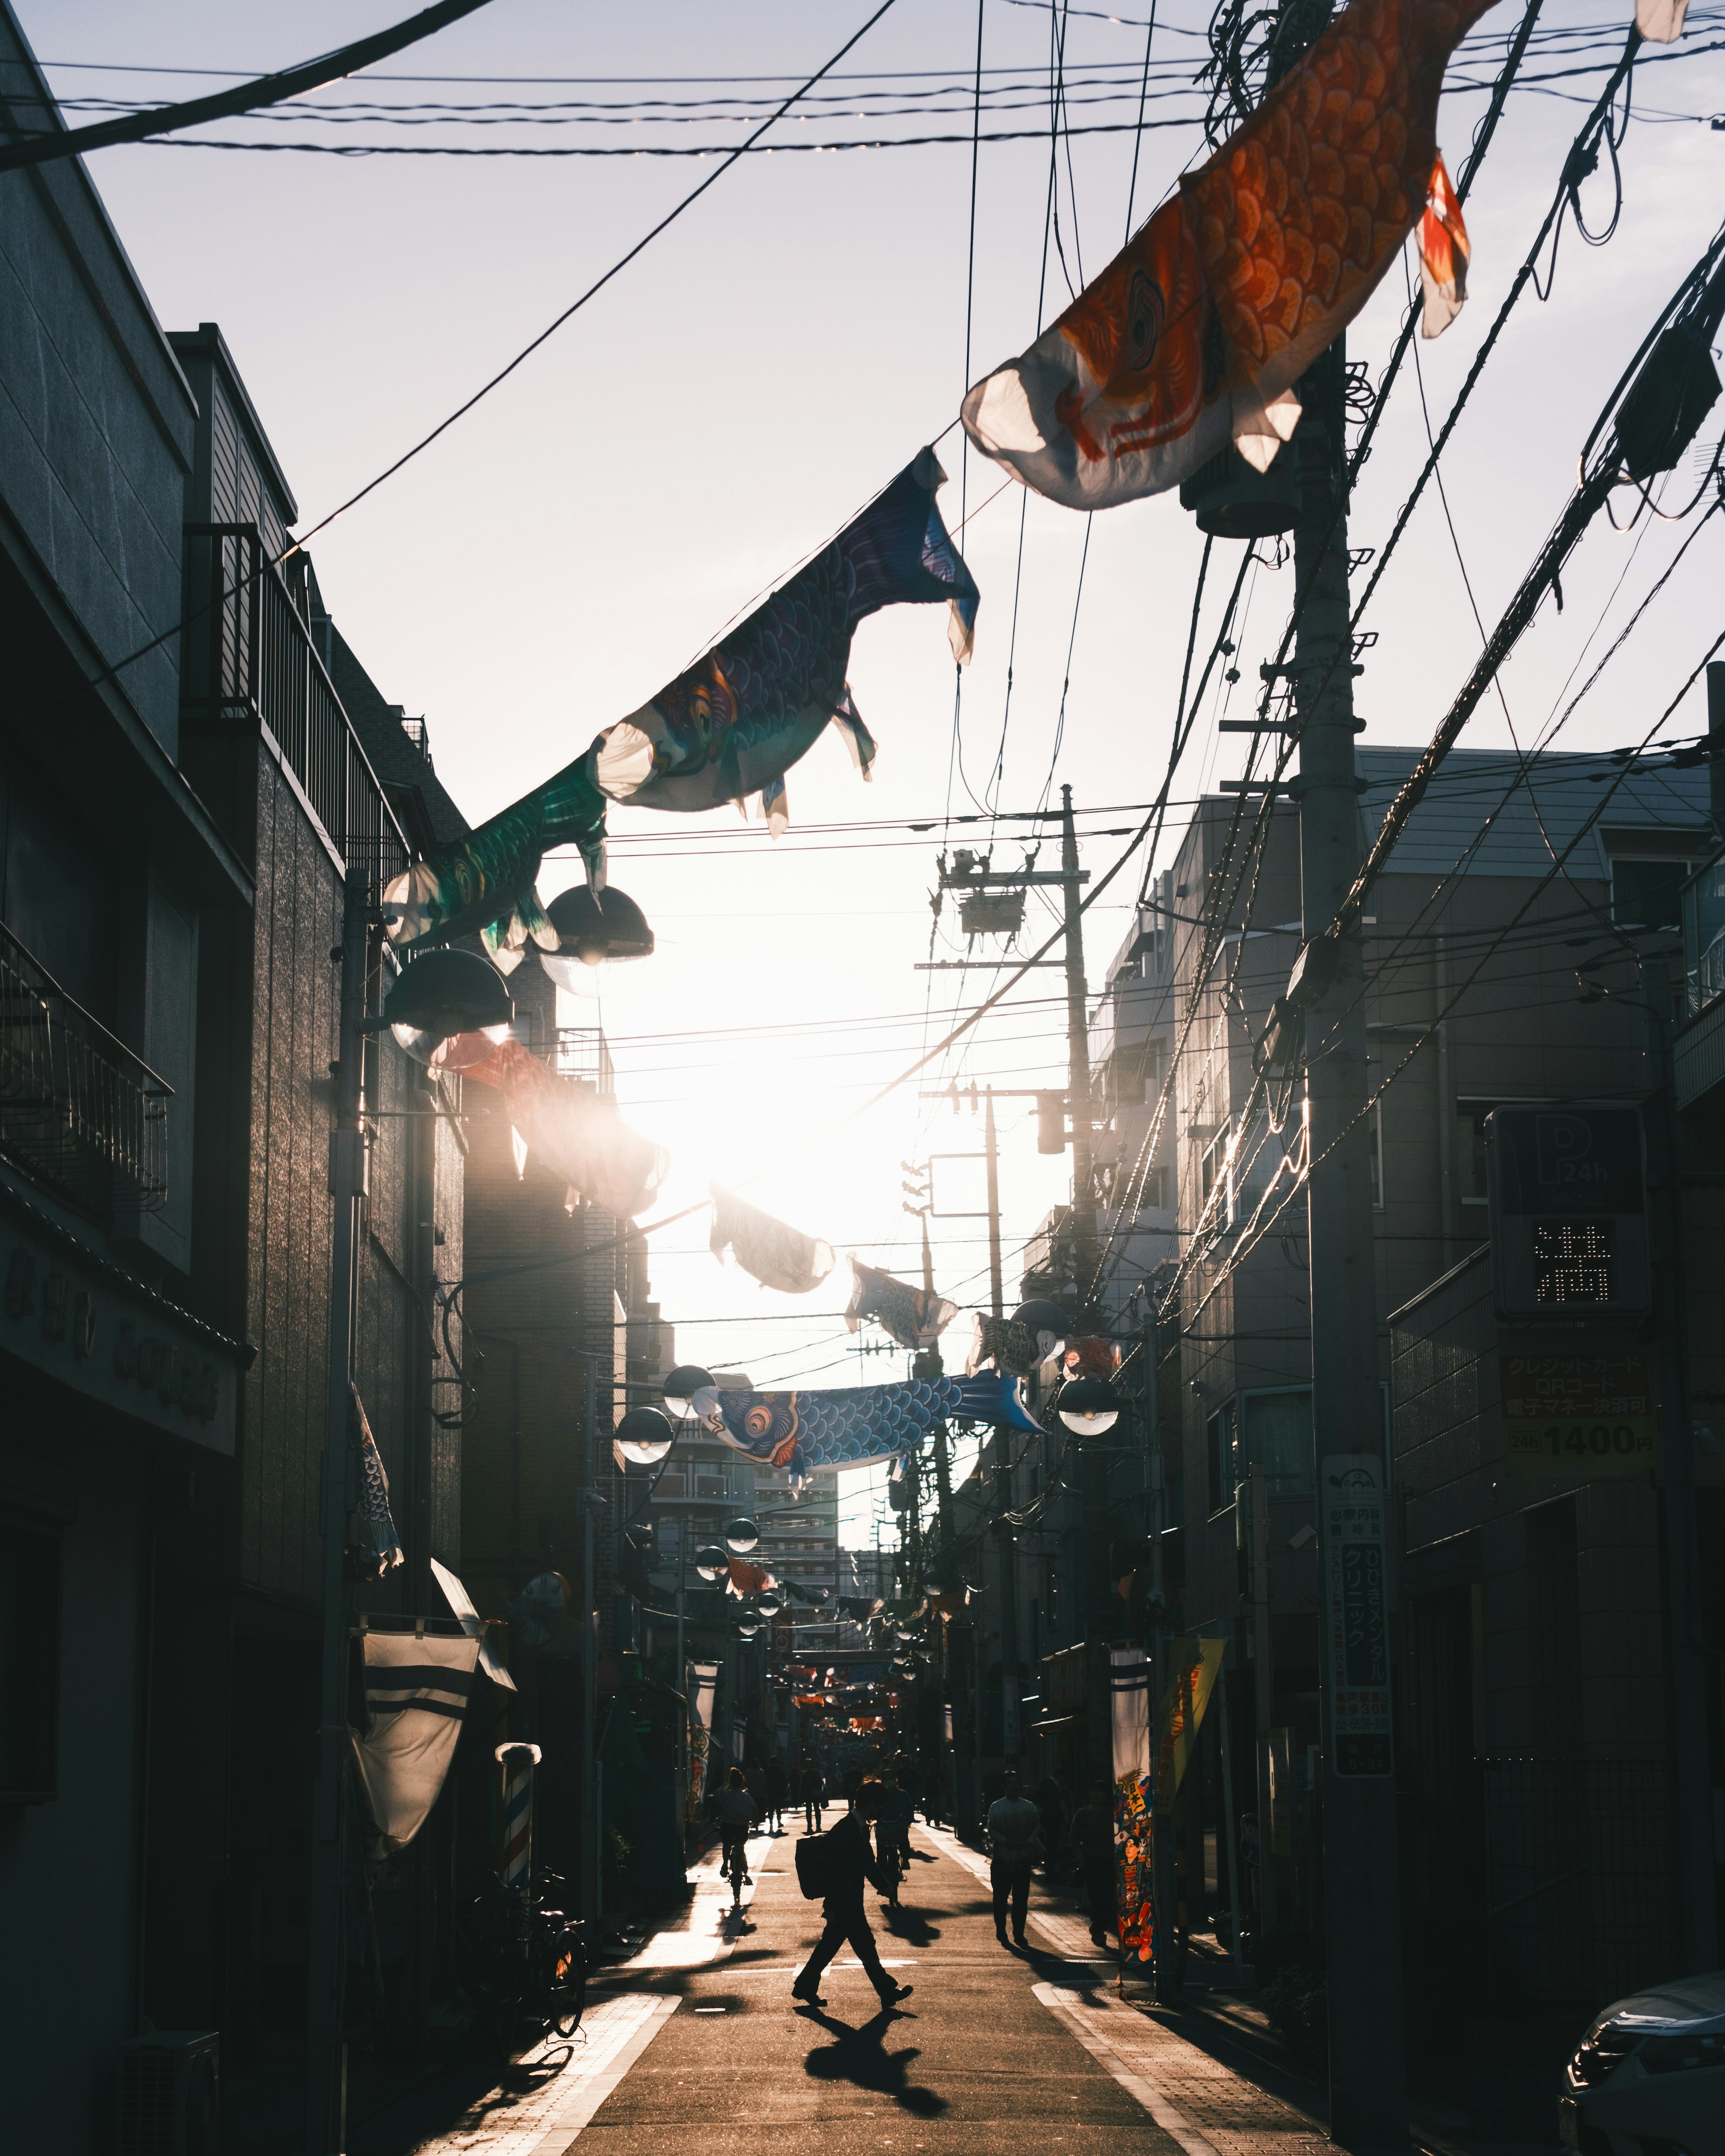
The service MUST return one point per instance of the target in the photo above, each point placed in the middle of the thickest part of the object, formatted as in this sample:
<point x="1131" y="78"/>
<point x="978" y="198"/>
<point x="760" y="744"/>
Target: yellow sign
<point x="1579" y="1418"/>
<point x="1193" y="1665"/>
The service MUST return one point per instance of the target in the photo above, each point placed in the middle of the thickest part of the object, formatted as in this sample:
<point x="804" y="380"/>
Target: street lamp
<point x="741" y="1537"/>
<point x="644" y="1436"/>
<point x="597" y="931"/>
<point x="449" y="1009"/>
<point x="1089" y="1406"/>
<point x="444" y="1001"/>
<point x="712" y="1564"/>
<point x="680" y="1387"/>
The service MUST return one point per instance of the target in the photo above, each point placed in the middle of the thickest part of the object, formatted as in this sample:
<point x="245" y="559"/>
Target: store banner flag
<point x="472" y="1624"/>
<point x="702" y="1681"/>
<point x="858" y="1425"/>
<point x="1129" y="1694"/>
<point x="577" y="1133"/>
<point x="1198" y="331"/>
<point x="914" y="1316"/>
<point x="417" y="1691"/>
<point x="1193" y="1664"/>
<point x="728" y="727"/>
<point x="776" y="1255"/>
<point x="1444" y="254"/>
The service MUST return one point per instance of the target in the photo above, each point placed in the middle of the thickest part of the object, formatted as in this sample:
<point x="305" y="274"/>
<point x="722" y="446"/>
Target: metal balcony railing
<point x="80" y="1113"/>
<point x="248" y="658"/>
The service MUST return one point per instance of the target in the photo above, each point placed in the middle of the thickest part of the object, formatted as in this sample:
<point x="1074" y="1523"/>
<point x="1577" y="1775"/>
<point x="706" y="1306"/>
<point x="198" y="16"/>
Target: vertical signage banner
<point x="1356" y="1613"/>
<point x="1129" y="1691"/>
<point x="1192" y="1676"/>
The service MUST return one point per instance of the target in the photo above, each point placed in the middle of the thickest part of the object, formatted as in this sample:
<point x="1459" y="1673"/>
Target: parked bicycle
<point x="524" y="1965"/>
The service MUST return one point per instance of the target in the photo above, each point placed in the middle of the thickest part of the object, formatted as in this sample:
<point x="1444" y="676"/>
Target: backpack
<point x="814" y="1865"/>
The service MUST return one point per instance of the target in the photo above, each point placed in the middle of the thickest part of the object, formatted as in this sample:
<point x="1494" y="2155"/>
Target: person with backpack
<point x="1014" y="1845"/>
<point x="836" y="1865"/>
<point x="737" y="1813"/>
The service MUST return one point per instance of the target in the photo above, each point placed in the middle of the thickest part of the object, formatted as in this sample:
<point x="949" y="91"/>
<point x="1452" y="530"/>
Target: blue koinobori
<point x="852" y="1427"/>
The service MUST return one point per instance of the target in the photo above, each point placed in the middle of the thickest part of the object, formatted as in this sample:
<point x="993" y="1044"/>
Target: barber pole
<point x="515" y="1813"/>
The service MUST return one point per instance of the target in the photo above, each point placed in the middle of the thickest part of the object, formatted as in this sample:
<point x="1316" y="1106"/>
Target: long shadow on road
<point x="860" y="2057"/>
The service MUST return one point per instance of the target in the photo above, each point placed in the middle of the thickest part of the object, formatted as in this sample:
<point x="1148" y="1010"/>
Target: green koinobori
<point x="729" y="726"/>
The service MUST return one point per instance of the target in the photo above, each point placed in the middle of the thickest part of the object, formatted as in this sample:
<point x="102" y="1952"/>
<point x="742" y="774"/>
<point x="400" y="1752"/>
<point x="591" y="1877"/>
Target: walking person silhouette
<point x="849" y="1863"/>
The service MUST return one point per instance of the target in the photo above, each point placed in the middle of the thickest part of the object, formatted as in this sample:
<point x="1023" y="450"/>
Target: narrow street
<point x="695" y="2044"/>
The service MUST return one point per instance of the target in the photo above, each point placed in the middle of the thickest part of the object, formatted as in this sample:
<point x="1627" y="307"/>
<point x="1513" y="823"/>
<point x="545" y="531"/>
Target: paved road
<point x="697" y="2048"/>
<point x="973" y="2060"/>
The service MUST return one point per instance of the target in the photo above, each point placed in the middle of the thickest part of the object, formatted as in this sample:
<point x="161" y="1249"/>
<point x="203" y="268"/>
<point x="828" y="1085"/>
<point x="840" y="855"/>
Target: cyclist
<point x="898" y="1809"/>
<point x="737" y="1813"/>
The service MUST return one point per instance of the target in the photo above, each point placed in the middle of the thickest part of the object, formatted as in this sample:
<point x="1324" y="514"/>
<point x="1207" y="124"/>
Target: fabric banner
<point x="1001" y="1341"/>
<point x="578" y="1133"/>
<point x="914" y="1316"/>
<point x="729" y="725"/>
<point x="702" y="1682"/>
<point x="1197" y="331"/>
<point x="373" y="1488"/>
<point x="1193" y="1664"/>
<point x="1661" y="22"/>
<point x="1129" y="1693"/>
<point x="852" y="1427"/>
<point x="1444" y="254"/>
<point x="417" y="1691"/>
<point x="472" y="1624"/>
<point x="776" y="1255"/>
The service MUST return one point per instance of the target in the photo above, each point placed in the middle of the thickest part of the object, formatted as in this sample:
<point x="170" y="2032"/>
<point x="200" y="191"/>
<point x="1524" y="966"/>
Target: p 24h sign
<point x="1356" y="1613"/>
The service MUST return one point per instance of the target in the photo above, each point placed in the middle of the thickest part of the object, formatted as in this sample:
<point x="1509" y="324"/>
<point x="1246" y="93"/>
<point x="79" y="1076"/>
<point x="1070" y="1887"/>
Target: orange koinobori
<point x="1198" y="331"/>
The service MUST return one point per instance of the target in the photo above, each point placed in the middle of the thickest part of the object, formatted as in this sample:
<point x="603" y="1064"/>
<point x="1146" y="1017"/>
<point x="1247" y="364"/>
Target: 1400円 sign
<point x="1585" y="1418"/>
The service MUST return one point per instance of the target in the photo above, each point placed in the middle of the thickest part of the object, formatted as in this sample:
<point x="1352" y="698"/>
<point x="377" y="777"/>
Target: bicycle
<point x="525" y="1967"/>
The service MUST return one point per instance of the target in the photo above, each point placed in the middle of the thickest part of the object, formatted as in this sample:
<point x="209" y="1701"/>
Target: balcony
<point x="80" y="1114"/>
<point x="250" y="660"/>
<point x="1698" y="1048"/>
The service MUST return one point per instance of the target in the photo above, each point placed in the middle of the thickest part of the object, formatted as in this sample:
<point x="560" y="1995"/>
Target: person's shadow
<point x="910" y="1925"/>
<point x="858" y="2056"/>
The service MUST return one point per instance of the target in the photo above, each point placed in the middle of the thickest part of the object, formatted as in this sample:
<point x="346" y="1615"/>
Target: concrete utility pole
<point x="1263" y="1690"/>
<point x="1084" y="1192"/>
<point x="1368" y="2094"/>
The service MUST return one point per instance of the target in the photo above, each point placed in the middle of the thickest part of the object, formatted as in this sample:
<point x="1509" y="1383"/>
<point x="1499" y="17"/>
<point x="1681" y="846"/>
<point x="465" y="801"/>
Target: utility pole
<point x="591" y="1872"/>
<point x="1368" y="2093"/>
<point x="1263" y="1692"/>
<point x="1084" y="1195"/>
<point x="996" y="1291"/>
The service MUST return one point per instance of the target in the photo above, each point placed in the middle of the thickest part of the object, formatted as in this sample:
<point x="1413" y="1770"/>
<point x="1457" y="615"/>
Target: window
<point x="1221" y="1453"/>
<point x="29" y="1662"/>
<point x="1648" y="894"/>
<point x="1275" y="1433"/>
<point x="1212" y="1164"/>
<point x="1155" y="1199"/>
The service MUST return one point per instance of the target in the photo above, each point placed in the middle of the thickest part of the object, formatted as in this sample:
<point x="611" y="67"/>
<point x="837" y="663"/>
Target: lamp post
<point x="445" y="1009"/>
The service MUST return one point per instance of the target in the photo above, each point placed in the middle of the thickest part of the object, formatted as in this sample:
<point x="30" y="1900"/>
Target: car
<point x="1648" y="2078"/>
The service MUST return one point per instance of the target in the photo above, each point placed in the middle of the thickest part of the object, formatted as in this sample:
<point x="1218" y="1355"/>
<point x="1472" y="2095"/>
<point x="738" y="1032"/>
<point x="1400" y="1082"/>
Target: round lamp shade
<point x="449" y="1009"/>
<point x="596" y="931"/>
<point x="768" y="1604"/>
<point x="681" y="1386"/>
<point x="712" y="1564"/>
<point x="644" y="1436"/>
<point x="1039" y="1314"/>
<point x="741" y="1537"/>
<point x="747" y="1631"/>
<point x="1088" y="1406"/>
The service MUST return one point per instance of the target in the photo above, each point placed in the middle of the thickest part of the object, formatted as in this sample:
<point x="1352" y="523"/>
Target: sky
<point x="739" y="391"/>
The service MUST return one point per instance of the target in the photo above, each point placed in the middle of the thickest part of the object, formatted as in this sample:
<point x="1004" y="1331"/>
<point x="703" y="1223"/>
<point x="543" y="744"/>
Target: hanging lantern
<point x="711" y="1564"/>
<point x="1088" y="1406"/>
<point x="1231" y="501"/>
<point x="643" y="1437"/>
<point x="449" y="1009"/>
<point x="680" y="1387"/>
<point x="597" y="931"/>
<point x="741" y="1537"/>
<point x="768" y="1604"/>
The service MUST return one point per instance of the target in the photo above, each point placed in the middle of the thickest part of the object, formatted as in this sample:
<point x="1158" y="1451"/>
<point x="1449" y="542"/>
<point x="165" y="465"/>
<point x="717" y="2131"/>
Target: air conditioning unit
<point x="1567" y="1188"/>
<point x="170" y="2094"/>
